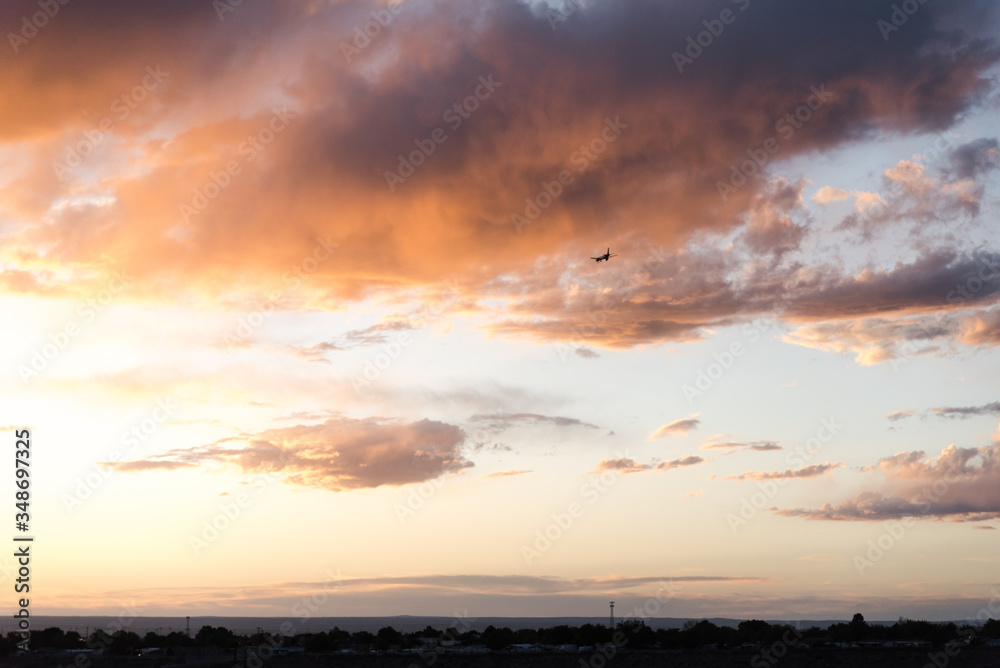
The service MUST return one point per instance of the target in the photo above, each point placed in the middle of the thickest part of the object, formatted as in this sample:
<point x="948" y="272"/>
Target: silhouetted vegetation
<point x="630" y="634"/>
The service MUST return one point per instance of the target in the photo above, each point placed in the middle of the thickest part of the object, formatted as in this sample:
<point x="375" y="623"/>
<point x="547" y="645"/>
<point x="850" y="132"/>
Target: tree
<point x="557" y="635"/>
<point x="858" y="628"/>
<point x="591" y="634"/>
<point x="497" y="639"/>
<point x="753" y="630"/>
<point x="637" y="634"/>
<point x="210" y="636"/>
<point x="470" y="637"/>
<point x="363" y="639"/>
<point x="50" y="637"/>
<point x="125" y="642"/>
<point x="387" y="637"/>
<point x="700" y="634"/>
<point x="525" y="636"/>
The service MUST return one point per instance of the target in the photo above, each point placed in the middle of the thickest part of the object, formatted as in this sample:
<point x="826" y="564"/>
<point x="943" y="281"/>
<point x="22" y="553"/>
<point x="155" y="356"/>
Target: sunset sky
<point x="298" y="298"/>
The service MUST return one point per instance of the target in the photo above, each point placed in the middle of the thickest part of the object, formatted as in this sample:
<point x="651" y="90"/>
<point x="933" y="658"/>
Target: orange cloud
<point x="681" y="426"/>
<point x="338" y="454"/>
<point x="230" y="181"/>
<point x="811" y="471"/>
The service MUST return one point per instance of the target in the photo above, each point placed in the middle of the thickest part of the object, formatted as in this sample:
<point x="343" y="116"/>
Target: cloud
<point x="688" y="495"/>
<point x="355" y="338"/>
<point x="621" y="465"/>
<point x="811" y="471"/>
<point x="907" y="329"/>
<point x="412" y="593"/>
<point x="964" y="412"/>
<point x="338" y="454"/>
<point x="911" y="195"/>
<point x="508" y="474"/>
<point x="148" y="465"/>
<point x="960" y="484"/>
<point x="770" y="227"/>
<point x="350" y="122"/>
<point x="681" y="426"/>
<point x="829" y="194"/>
<point x="502" y="421"/>
<point x="690" y="460"/>
<point x="626" y="465"/>
<point x="729" y="447"/>
<point x="899" y="415"/>
<point x="974" y="158"/>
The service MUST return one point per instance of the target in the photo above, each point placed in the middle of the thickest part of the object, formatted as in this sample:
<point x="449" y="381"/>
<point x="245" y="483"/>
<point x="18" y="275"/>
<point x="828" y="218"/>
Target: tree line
<point x="637" y="635"/>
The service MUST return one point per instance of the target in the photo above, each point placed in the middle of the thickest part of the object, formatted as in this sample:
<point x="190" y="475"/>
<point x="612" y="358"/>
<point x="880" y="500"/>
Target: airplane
<point x="606" y="256"/>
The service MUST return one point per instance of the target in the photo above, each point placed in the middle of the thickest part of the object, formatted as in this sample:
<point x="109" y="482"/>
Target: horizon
<point x="405" y="623"/>
<point x="331" y="308"/>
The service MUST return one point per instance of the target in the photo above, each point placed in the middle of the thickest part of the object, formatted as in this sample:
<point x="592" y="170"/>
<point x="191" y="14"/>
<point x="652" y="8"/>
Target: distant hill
<point x="403" y="623"/>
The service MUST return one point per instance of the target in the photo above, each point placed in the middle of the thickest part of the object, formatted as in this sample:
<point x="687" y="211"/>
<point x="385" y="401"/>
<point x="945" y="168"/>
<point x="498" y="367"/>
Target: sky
<point x="299" y="305"/>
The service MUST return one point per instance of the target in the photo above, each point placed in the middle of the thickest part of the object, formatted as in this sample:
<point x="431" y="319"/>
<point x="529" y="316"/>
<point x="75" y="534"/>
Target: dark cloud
<point x="963" y="412"/>
<point x="608" y="71"/>
<point x="975" y="158"/>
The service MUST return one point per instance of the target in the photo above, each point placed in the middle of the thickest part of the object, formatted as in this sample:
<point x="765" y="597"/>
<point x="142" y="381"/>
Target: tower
<point x="188" y="626"/>
<point x="612" y="615"/>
